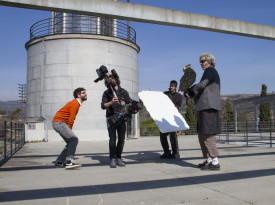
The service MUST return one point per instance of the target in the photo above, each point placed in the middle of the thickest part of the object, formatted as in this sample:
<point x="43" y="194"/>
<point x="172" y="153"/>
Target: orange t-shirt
<point x="67" y="113"/>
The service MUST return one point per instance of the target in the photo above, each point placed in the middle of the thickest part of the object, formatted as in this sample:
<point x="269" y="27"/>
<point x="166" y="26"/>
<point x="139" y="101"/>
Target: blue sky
<point x="243" y="63"/>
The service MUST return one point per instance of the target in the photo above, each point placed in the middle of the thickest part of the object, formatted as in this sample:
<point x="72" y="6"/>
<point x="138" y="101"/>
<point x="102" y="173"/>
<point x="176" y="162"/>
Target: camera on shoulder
<point x="126" y="111"/>
<point x="124" y="114"/>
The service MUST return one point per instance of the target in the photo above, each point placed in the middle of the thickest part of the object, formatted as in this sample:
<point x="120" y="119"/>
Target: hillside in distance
<point x="11" y="105"/>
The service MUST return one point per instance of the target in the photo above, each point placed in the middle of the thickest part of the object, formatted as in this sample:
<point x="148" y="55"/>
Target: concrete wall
<point x="70" y="61"/>
<point x="34" y="131"/>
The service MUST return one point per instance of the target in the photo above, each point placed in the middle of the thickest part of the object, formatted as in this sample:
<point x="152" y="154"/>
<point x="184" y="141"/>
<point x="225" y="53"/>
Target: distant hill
<point x="11" y="105"/>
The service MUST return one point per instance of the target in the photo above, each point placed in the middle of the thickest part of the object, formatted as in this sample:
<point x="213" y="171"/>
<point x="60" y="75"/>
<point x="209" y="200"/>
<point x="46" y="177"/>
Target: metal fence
<point x="248" y="133"/>
<point x="80" y="24"/>
<point x="12" y="138"/>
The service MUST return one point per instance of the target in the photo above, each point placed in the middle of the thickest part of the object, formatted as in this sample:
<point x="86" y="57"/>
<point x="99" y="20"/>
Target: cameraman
<point x="113" y="104"/>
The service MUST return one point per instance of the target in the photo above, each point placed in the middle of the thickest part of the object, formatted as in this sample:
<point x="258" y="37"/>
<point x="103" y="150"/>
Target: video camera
<point x="125" y="112"/>
<point x="102" y="73"/>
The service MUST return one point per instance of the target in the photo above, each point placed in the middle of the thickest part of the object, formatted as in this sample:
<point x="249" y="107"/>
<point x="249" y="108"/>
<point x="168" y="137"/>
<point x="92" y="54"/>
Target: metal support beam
<point x="256" y="100"/>
<point x="148" y="14"/>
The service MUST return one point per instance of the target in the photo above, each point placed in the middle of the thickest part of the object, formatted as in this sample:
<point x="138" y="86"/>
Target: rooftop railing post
<point x="19" y="135"/>
<point x="246" y="130"/>
<point x="235" y="118"/>
<point x="10" y="138"/>
<point x="227" y="133"/>
<point x="15" y="133"/>
<point x="5" y="140"/>
<point x="270" y="127"/>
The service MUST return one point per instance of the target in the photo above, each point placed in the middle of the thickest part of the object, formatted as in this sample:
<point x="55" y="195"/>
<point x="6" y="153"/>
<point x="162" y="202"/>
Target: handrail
<point x="12" y="138"/>
<point x="81" y="24"/>
<point x="249" y="132"/>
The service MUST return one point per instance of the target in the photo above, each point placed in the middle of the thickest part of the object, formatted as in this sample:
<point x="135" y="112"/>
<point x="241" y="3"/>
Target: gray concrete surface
<point x="247" y="175"/>
<point x="149" y="14"/>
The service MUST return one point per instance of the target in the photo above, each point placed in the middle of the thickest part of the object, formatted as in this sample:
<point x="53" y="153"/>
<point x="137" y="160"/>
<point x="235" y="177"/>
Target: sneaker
<point x="174" y="156"/>
<point x="113" y="163"/>
<point x="120" y="163"/>
<point x="202" y="164"/>
<point x="165" y="155"/>
<point x="70" y="164"/>
<point x="210" y="166"/>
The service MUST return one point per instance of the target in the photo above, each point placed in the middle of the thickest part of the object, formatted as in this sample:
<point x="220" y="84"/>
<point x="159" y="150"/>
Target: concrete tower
<point x="63" y="54"/>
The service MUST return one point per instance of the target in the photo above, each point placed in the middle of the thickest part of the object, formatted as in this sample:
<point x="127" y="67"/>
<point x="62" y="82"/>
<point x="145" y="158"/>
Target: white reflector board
<point x="163" y="111"/>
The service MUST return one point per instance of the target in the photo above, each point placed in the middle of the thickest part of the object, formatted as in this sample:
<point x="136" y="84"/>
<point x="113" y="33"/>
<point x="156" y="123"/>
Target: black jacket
<point x="175" y="97"/>
<point x="207" y="91"/>
<point x="108" y="95"/>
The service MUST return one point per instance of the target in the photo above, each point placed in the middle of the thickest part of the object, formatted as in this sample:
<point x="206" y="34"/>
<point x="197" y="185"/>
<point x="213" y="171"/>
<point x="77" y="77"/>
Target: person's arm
<point x="179" y="101"/>
<point x="109" y="104"/>
<point x="205" y="80"/>
<point x="73" y="110"/>
<point x="105" y="104"/>
<point x="125" y="98"/>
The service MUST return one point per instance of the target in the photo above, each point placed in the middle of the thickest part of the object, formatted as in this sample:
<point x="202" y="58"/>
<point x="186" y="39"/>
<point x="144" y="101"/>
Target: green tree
<point x="2" y="112"/>
<point x="265" y="113"/>
<point x="148" y="128"/>
<point x="191" y="117"/>
<point x="15" y="113"/>
<point x="228" y="114"/>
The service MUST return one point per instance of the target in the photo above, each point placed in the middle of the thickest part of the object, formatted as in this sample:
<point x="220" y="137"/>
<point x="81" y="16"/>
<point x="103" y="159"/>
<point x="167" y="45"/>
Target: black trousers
<point x="116" y="134"/>
<point x="173" y="140"/>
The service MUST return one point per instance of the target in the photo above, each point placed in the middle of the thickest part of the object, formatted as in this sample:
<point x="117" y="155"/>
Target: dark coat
<point x="207" y="91"/>
<point x="207" y="102"/>
<point x="175" y="97"/>
<point x="108" y="95"/>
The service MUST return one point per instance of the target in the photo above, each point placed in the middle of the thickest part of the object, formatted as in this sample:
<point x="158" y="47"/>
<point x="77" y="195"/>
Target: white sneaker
<point x="71" y="165"/>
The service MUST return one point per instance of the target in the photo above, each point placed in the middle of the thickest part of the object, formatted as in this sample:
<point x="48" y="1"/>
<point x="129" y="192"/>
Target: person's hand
<point x="122" y="102"/>
<point x="114" y="100"/>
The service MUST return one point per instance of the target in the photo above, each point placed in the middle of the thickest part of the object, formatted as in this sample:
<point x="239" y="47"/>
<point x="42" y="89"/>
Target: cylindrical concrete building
<point x="67" y="59"/>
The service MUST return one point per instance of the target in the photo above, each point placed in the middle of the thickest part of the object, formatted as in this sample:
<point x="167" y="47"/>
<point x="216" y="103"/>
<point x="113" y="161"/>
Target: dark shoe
<point x="209" y="166"/>
<point x="202" y="164"/>
<point x="113" y="163"/>
<point x="174" y="156"/>
<point x="58" y="164"/>
<point x="70" y="164"/>
<point x="120" y="163"/>
<point x="165" y="156"/>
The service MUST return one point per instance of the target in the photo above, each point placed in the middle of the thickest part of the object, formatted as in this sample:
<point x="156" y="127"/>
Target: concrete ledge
<point x="82" y="36"/>
<point x="148" y="14"/>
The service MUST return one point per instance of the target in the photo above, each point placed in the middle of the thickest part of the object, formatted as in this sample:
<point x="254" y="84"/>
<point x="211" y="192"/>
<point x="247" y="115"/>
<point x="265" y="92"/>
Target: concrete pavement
<point x="247" y="175"/>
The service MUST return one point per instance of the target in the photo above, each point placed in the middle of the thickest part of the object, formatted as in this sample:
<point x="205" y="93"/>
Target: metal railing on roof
<point x="249" y="133"/>
<point x="80" y="24"/>
<point x="12" y="138"/>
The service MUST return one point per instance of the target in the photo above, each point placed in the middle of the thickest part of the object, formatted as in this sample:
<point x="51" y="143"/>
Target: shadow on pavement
<point x="130" y="186"/>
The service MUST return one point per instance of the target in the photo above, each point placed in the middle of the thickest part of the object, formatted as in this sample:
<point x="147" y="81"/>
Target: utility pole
<point x="22" y="92"/>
